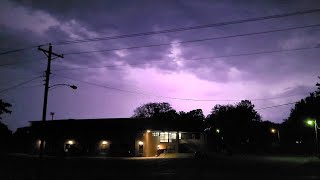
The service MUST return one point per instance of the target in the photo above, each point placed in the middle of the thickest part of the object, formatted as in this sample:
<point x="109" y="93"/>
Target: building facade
<point x="113" y="137"/>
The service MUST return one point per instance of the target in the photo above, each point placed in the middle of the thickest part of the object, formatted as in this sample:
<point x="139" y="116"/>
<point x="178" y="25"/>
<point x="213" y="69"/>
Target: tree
<point x="4" y="107"/>
<point x="5" y="133"/>
<point x="196" y="115"/>
<point x="295" y="125"/>
<point x="245" y="111"/>
<point x="236" y="122"/>
<point x="305" y="108"/>
<point x="153" y="109"/>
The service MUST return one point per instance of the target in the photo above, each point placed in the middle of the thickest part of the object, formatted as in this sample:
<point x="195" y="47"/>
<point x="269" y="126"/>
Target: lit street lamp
<point x="274" y="131"/>
<point x="312" y="122"/>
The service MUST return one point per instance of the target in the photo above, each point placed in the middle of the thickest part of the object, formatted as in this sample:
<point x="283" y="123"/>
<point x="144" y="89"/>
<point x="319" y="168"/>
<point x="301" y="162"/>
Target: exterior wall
<point x="103" y="147"/>
<point x="148" y="145"/>
<point x="123" y="136"/>
<point x="151" y="143"/>
<point x="193" y="141"/>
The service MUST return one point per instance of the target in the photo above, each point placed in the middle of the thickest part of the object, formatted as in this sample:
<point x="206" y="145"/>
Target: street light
<point x="313" y="122"/>
<point x="310" y="122"/>
<point x="47" y="88"/>
<point x="71" y="86"/>
<point x="274" y="131"/>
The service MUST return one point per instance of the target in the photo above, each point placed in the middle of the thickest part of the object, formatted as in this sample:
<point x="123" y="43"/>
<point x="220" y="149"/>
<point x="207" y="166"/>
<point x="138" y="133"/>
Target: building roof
<point x="134" y="124"/>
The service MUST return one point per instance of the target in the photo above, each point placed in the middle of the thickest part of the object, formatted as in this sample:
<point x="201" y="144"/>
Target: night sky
<point x="141" y="75"/>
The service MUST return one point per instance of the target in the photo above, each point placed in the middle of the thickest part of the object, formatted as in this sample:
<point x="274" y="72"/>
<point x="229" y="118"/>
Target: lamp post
<point x="274" y="131"/>
<point x="52" y="114"/>
<point x="42" y="140"/>
<point x="313" y="123"/>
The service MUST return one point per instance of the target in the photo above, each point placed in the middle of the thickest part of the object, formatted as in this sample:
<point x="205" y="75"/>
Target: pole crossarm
<point x="52" y="53"/>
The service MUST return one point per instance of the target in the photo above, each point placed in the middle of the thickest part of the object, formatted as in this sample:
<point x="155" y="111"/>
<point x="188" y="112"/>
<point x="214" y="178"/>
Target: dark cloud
<point x="32" y="22"/>
<point x="298" y="90"/>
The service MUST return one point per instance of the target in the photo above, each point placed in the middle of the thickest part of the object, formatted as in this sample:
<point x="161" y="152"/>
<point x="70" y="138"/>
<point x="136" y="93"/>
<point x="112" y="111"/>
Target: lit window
<point x="173" y="135"/>
<point x="164" y="136"/>
<point x="155" y="133"/>
<point x="168" y="136"/>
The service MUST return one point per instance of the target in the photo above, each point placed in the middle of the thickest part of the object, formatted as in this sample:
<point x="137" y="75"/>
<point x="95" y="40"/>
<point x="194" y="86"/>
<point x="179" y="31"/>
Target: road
<point x="215" y="167"/>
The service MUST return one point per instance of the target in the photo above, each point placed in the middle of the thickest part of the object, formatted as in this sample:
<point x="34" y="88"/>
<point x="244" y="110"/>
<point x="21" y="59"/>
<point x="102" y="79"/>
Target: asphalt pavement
<point x="170" y="167"/>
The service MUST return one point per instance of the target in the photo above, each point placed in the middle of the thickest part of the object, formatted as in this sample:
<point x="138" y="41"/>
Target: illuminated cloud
<point x="162" y="70"/>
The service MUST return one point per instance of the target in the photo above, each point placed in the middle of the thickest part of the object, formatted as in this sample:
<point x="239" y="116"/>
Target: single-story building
<point x="113" y="137"/>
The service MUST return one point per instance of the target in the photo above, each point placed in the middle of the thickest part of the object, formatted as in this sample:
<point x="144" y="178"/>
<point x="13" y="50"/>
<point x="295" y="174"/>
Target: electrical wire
<point x="21" y="62"/>
<point x="268" y="107"/>
<point x="193" y="59"/>
<point x="20" y="84"/>
<point x="167" y="97"/>
<point x="21" y="49"/>
<point x="193" y="41"/>
<point x="188" y="28"/>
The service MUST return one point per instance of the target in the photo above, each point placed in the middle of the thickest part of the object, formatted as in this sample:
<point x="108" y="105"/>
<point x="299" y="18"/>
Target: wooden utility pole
<point x="49" y="54"/>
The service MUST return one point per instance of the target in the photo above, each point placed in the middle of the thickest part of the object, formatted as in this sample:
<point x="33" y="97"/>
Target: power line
<point x="193" y="41"/>
<point x="276" y="106"/>
<point x="21" y="62"/>
<point x="15" y="86"/>
<point x="16" y="50"/>
<point x="37" y="85"/>
<point x="21" y="49"/>
<point x="201" y="58"/>
<point x="167" y="97"/>
<point x="188" y="28"/>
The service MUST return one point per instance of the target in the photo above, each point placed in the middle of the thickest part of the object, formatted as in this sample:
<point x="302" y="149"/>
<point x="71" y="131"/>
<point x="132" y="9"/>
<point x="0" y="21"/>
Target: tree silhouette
<point x="5" y="133"/>
<point x="304" y="109"/>
<point x="4" y="107"/>
<point x="153" y="109"/>
<point x="235" y="122"/>
<point x="196" y="115"/>
<point x="295" y="124"/>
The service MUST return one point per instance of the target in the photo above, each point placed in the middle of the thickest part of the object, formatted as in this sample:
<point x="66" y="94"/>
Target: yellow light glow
<point x="273" y="130"/>
<point x="148" y="131"/>
<point x="140" y="143"/>
<point x="310" y="122"/>
<point x="70" y="142"/>
<point x="104" y="142"/>
<point x="158" y="146"/>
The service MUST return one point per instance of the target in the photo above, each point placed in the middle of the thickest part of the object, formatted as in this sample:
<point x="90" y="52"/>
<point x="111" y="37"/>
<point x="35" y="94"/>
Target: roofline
<point x="87" y="119"/>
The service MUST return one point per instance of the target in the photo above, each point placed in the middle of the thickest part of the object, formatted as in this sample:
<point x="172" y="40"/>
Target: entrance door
<point x="140" y="150"/>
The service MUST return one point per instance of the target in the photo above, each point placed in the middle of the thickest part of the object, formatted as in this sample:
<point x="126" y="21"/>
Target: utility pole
<point x="49" y="54"/>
